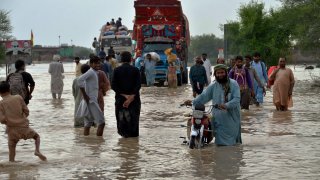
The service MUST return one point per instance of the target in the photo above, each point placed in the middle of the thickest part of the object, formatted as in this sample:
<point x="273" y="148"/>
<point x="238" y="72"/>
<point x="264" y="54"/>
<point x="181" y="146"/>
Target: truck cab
<point x="159" y="46"/>
<point x="159" y="25"/>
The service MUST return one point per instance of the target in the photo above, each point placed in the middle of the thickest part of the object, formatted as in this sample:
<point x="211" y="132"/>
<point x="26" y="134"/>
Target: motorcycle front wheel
<point x="192" y="142"/>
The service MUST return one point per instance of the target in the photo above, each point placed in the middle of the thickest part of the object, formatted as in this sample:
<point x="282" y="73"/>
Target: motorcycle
<point x="199" y="129"/>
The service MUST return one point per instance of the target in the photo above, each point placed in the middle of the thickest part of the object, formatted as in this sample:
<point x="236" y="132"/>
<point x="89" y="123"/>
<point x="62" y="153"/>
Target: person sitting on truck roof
<point x="118" y="23"/>
<point x="107" y="27"/>
<point x="112" y="23"/>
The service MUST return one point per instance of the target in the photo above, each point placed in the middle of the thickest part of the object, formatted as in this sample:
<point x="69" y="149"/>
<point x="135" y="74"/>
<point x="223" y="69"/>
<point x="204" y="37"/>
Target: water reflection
<point x="19" y="170"/>
<point x="128" y="149"/>
<point x="227" y="161"/>
<point x="90" y="148"/>
<point x="281" y="123"/>
<point x="282" y="117"/>
<point x="93" y="144"/>
<point x="217" y="162"/>
<point x="57" y="103"/>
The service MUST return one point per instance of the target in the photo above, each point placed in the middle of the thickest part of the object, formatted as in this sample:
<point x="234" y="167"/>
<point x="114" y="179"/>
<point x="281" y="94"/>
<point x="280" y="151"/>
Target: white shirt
<point x="89" y="81"/>
<point x="207" y="66"/>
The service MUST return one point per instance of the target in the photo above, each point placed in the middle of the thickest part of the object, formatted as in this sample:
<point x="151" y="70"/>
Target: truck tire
<point x="185" y="77"/>
<point x="179" y="79"/>
<point x="160" y="83"/>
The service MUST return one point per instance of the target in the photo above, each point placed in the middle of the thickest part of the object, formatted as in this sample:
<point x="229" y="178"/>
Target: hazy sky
<point x="80" y="20"/>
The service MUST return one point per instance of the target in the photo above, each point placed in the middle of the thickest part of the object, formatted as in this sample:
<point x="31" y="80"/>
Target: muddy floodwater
<point x="276" y="145"/>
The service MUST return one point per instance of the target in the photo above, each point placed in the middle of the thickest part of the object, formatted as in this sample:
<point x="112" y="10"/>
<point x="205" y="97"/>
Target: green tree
<point x="260" y="31"/>
<point x="82" y="51"/>
<point x="5" y="30"/>
<point x="303" y="17"/>
<point x="206" y="43"/>
<point x="231" y="39"/>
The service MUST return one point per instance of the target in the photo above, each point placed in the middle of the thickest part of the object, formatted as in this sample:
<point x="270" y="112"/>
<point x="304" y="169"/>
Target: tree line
<point x="273" y="33"/>
<point x="206" y="43"/>
<point x="276" y="32"/>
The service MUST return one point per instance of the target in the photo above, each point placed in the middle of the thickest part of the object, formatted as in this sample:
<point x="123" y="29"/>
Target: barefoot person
<point x="13" y="113"/>
<point x="89" y="107"/>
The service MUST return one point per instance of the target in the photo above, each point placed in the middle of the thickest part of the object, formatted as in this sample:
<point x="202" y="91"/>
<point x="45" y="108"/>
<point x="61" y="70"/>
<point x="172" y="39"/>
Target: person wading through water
<point x="126" y="84"/>
<point x="89" y="107"/>
<point x="283" y="86"/>
<point x="225" y="93"/>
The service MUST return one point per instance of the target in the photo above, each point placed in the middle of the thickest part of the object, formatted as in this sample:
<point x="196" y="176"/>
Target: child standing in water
<point x="14" y="113"/>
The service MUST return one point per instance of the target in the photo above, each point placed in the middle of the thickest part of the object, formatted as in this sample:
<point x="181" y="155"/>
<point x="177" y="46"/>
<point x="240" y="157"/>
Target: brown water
<point x="276" y="145"/>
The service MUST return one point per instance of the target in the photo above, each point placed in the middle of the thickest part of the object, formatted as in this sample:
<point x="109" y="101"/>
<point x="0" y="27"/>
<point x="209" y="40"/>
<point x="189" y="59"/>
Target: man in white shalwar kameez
<point x="89" y="107"/>
<point x="56" y="70"/>
<point x="207" y="66"/>
<point x="78" y="121"/>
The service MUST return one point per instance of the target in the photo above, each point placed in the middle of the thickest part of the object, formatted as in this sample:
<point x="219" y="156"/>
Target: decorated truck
<point x="159" y="25"/>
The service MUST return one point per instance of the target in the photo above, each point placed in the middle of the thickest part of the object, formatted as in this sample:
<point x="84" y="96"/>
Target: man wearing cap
<point x="226" y="121"/>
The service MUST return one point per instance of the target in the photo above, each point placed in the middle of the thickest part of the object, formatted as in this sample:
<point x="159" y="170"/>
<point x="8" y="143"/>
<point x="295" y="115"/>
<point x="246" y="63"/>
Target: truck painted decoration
<point x="158" y="30"/>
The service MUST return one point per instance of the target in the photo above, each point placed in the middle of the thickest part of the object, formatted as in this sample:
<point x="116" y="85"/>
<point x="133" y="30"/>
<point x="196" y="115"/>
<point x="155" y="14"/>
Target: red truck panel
<point x="158" y="12"/>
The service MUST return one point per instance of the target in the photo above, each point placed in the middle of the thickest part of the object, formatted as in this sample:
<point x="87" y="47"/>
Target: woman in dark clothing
<point x="126" y="84"/>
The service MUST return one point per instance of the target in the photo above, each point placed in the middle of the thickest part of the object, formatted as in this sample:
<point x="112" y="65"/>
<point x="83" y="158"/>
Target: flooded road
<point x="276" y="145"/>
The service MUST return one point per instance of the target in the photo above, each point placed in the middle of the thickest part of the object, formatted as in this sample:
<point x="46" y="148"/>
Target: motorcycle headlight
<point x="197" y="114"/>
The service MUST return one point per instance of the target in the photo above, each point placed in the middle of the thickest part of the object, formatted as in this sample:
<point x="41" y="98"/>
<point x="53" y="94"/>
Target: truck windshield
<point x="157" y="47"/>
